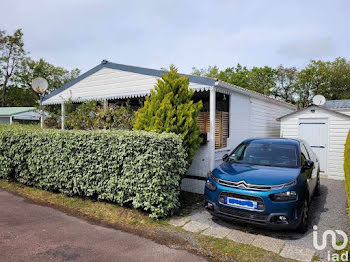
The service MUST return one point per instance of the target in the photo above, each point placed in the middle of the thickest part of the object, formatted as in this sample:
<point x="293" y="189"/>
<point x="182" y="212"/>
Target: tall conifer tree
<point x="170" y="109"/>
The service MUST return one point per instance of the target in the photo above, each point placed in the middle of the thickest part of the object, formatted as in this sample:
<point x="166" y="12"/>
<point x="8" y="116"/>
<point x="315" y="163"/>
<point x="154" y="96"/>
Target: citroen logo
<point x="242" y="184"/>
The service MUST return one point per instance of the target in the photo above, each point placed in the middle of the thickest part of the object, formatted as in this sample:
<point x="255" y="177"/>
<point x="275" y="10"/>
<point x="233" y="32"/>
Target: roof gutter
<point x="321" y="107"/>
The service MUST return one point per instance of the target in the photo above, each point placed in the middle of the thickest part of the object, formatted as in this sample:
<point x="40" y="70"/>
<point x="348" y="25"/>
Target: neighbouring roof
<point x="302" y="109"/>
<point x="100" y="83"/>
<point x="10" y="111"/>
<point x="337" y="104"/>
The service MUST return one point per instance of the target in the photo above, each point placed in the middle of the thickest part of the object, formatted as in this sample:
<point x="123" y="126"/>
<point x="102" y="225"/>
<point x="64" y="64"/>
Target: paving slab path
<point x="30" y="232"/>
<point x="328" y="211"/>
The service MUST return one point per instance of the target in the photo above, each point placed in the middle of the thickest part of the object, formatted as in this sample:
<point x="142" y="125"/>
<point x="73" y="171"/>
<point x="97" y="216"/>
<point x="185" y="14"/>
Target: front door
<point x="315" y="132"/>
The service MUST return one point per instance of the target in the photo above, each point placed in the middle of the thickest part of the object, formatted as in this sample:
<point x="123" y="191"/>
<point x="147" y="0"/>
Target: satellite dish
<point x="39" y="85"/>
<point x="318" y="100"/>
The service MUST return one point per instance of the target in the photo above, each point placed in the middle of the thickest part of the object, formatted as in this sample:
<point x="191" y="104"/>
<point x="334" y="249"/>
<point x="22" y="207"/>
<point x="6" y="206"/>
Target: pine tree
<point x="170" y="109"/>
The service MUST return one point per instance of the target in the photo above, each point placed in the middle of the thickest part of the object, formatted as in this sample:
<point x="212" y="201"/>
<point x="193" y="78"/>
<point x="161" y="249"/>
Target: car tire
<point x="304" y="223"/>
<point x="318" y="186"/>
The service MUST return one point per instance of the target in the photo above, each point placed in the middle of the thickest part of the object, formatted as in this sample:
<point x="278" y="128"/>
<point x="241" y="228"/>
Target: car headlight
<point x="284" y="196"/>
<point x="210" y="174"/>
<point x="210" y="186"/>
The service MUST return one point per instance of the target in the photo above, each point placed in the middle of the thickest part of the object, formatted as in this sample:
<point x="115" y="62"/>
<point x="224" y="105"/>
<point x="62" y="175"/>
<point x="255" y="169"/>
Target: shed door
<point x="315" y="133"/>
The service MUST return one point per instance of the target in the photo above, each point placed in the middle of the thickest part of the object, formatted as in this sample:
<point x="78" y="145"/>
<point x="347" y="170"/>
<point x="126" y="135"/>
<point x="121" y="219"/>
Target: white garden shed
<point x="230" y="113"/>
<point x="325" y="128"/>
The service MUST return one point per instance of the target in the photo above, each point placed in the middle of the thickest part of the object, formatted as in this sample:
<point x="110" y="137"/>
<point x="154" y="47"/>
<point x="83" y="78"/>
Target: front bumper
<point x="277" y="215"/>
<point x="252" y="217"/>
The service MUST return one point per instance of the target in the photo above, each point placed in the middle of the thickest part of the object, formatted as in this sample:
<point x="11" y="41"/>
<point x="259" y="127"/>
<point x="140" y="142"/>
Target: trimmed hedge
<point x="140" y="168"/>
<point x="347" y="168"/>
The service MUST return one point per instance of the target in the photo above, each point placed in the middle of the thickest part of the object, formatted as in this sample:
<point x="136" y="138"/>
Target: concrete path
<point x="30" y="232"/>
<point x="327" y="212"/>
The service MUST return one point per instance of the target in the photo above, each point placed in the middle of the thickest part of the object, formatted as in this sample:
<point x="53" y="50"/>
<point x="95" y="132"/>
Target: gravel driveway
<point x="328" y="211"/>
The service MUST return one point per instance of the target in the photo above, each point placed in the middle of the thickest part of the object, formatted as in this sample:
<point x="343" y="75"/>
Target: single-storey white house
<point x="23" y="115"/>
<point x="230" y="113"/>
<point x="325" y="128"/>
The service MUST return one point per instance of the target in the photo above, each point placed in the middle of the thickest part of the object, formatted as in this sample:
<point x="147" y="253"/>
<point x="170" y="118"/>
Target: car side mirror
<point x="309" y="164"/>
<point x="225" y="157"/>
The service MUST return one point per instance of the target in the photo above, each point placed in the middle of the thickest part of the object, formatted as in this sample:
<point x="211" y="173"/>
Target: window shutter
<point x="221" y="126"/>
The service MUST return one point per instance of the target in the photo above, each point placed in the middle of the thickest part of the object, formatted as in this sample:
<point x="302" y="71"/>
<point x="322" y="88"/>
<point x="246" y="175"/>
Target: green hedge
<point x="347" y="168"/>
<point x="137" y="168"/>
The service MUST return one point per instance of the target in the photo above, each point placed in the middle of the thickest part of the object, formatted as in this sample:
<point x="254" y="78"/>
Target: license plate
<point x="241" y="203"/>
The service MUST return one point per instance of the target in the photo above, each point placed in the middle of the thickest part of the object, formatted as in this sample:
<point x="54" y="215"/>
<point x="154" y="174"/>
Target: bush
<point x="170" y="109"/>
<point x="114" y="117"/>
<point x="137" y="168"/>
<point x="82" y="117"/>
<point x="89" y="115"/>
<point x="347" y="168"/>
<point x="52" y="122"/>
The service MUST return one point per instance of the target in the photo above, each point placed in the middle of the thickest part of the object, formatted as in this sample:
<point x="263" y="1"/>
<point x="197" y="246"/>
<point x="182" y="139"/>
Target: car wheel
<point x="304" y="224"/>
<point x="318" y="186"/>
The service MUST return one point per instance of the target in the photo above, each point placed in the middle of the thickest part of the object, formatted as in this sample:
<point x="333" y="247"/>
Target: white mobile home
<point x="230" y="113"/>
<point x="325" y="128"/>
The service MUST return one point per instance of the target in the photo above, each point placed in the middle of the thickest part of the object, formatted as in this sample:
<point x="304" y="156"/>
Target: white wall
<point x="200" y="163"/>
<point x="250" y="117"/>
<point x="338" y="128"/>
<point x="240" y="110"/>
<point x="263" y="118"/>
<point x="4" y="120"/>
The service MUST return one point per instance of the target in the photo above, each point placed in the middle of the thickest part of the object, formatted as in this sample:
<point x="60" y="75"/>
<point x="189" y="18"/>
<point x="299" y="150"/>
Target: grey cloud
<point x="307" y="49"/>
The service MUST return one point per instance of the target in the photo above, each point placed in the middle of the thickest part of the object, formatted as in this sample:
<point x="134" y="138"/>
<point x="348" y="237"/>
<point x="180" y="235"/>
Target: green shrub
<point x="170" y="108"/>
<point x="52" y="122"/>
<point x="347" y="168"/>
<point x="137" y="168"/>
<point x="82" y="118"/>
<point x="115" y="117"/>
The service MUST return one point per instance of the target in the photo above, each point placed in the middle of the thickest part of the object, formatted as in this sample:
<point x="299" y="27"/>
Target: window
<point x="309" y="151"/>
<point x="221" y="127"/>
<point x="304" y="154"/>
<point x="266" y="153"/>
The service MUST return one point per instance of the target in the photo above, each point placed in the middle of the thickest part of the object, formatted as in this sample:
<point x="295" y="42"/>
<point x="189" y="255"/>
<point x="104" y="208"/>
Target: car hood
<point x="255" y="174"/>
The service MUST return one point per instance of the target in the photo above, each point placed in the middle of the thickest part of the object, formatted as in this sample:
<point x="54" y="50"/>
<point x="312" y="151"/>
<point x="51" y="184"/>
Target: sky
<point x="155" y="34"/>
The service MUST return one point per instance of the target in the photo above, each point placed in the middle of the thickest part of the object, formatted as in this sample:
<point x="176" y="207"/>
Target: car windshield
<point x="266" y="154"/>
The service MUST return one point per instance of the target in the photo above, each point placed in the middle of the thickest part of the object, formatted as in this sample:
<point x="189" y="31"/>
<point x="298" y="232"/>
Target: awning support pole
<point x="212" y="112"/>
<point x="63" y="112"/>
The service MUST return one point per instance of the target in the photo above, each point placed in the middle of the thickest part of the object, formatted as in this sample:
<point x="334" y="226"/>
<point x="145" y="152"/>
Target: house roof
<point x="337" y="104"/>
<point x="10" y="111"/>
<point x="255" y="94"/>
<point x="302" y="109"/>
<point x="94" y="92"/>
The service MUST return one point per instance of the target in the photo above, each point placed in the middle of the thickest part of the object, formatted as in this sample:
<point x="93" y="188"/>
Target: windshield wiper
<point x="235" y="161"/>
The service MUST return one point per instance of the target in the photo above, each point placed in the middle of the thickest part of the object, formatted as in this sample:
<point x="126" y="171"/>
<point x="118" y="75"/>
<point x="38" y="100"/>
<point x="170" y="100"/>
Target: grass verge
<point x="134" y="221"/>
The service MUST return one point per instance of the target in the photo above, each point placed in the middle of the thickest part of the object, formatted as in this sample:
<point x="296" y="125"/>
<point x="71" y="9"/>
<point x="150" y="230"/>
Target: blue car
<point x="267" y="182"/>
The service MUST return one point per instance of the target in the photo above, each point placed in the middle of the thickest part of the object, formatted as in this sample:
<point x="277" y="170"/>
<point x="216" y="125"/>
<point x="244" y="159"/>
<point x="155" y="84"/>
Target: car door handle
<point x="318" y="146"/>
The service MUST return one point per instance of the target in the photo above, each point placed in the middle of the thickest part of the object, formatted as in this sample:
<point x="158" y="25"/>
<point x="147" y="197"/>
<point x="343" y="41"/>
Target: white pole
<point x="63" y="115"/>
<point x="41" y="112"/>
<point x="212" y="112"/>
<point x="11" y="120"/>
<point x="230" y="123"/>
<point x="105" y="104"/>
